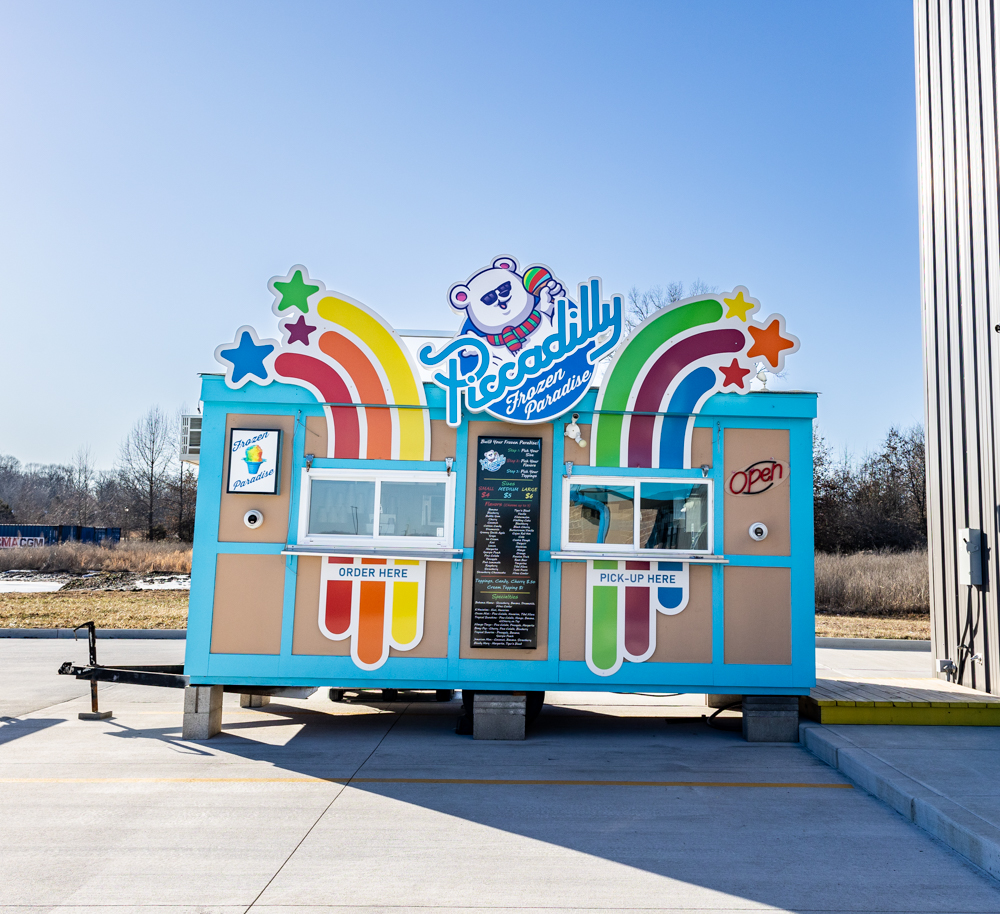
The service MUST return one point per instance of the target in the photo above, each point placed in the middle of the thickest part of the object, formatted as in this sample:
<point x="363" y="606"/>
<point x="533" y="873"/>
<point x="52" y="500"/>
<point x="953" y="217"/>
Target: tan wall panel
<point x="274" y="507"/>
<point x="687" y="636"/>
<point x="572" y="451"/>
<point x="317" y="440"/>
<point x="478" y="653"/>
<point x="246" y="615"/>
<point x="744" y="446"/>
<point x="701" y="447"/>
<point x="507" y="430"/>
<point x="308" y="639"/>
<point x="444" y="440"/>
<point x="306" y="636"/>
<point x="758" y="615"/>
<point x="573" y="612"/>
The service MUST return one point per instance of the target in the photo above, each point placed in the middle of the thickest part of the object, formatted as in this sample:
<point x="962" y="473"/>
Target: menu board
<point x="505" y="564"/>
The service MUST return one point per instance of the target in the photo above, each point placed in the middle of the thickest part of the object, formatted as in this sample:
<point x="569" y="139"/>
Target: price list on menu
<point x="505" y="565"/>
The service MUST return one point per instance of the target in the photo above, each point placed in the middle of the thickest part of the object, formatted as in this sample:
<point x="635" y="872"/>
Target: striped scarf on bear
<point x="513" y="337"/>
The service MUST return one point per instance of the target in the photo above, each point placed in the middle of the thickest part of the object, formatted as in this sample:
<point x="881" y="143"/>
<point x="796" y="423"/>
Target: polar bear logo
<point x="491" y="461"/>
<point x="504" y="306"/>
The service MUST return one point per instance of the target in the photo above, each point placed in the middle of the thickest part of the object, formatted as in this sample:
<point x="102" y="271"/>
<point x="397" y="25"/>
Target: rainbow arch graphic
<point x="343" y="353"/>
<point x="670" y="365"/>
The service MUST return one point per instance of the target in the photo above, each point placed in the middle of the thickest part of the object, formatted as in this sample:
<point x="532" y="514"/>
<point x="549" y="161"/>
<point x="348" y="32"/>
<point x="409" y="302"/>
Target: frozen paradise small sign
<point x="253" y="460"/>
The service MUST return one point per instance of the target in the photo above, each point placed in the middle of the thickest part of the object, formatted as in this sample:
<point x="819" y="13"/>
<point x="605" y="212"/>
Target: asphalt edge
<point x="142" y="633"/>
<point x="874" y="644"/>
<point x="964" y="832"/>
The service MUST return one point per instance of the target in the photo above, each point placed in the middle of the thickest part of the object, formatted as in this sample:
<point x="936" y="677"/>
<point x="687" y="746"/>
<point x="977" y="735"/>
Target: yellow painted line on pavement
<point x="472" y="781"/>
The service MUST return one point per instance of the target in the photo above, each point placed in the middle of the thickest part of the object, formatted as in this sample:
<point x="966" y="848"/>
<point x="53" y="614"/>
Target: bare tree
<point x="641" y="305"/>
<point x="183" y="495"/>
<point x="698" y="287"/>
<point x="83" y="475"/>
<point x="144" y="465"/>
<point x="876" y="503"/>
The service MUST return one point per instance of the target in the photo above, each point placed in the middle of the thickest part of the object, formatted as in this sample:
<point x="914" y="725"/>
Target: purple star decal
<point x="299" y="331"/>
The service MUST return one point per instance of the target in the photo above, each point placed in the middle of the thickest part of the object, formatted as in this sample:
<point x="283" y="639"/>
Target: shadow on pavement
<point x="775" y="844"/>
<point x="12" y="728"/>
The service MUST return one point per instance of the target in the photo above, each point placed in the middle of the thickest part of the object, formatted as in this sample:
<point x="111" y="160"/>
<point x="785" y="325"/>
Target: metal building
<point x="957" y="128"/>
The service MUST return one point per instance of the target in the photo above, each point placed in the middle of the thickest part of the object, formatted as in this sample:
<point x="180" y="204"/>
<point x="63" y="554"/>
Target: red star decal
<point x="768" y="342"/>
<point x="734" y="374"/>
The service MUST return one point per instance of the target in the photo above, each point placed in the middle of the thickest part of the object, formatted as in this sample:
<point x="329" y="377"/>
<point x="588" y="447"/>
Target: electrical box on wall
<point x="970" y="557"/>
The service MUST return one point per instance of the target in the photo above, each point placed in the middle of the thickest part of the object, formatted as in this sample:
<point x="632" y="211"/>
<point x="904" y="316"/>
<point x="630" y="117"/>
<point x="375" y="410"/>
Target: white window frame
<point x="634" y="482"/>
<point x="374" y="539"/>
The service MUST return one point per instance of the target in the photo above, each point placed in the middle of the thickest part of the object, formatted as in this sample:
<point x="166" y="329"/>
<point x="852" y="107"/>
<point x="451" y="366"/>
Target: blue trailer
<point x="544" y="501"/>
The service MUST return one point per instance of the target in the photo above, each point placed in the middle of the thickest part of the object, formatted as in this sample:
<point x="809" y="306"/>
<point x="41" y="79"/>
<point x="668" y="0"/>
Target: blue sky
<point x="159" y="162"/>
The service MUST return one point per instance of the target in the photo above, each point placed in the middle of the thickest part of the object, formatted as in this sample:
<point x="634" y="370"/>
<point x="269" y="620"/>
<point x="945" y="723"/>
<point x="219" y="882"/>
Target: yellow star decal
<point x="738" y="307"/>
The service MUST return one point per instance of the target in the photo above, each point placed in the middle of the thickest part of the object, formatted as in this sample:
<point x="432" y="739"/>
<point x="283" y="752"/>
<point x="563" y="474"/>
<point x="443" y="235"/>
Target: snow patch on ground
<point x="25" y="581"/>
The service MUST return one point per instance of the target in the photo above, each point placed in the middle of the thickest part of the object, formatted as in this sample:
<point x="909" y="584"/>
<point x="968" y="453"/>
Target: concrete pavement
<point x="946" y="780"/>
<point x="868" y="663"/>
<point x="310" y="806"/>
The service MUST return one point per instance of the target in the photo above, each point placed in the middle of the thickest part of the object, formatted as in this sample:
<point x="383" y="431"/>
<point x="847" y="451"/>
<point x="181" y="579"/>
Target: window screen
<point x="344" y="507"/>
<point x="412" y="509"/>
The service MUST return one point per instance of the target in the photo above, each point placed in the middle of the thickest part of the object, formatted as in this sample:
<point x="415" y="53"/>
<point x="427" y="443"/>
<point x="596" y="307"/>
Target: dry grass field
<point x="129" y="555"/>
<point x="111" y="608"/>
<point x="107" y="608"/>
<point x="873" y="595"/>
<point x="866" y="595"/>
<point x="873" y="583"/>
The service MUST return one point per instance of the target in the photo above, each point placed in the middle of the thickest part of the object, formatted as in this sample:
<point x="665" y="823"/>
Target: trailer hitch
<point x="169" y="676"/>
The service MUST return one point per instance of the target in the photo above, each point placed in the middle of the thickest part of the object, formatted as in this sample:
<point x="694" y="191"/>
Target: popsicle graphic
<point x="621" y="619"/>
<point x="376" y="614"/>
<point x="253" y="459"/>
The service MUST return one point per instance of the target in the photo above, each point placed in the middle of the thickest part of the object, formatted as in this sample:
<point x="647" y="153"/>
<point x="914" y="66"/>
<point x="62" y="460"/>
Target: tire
<point x="390" y="694"/>
<point x="533" y="706"/>
<point x="444" y="694"/>
<point x="336" y="694"/>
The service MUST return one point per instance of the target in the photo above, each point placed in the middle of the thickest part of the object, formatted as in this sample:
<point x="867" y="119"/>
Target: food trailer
<point x="543" y="500"/>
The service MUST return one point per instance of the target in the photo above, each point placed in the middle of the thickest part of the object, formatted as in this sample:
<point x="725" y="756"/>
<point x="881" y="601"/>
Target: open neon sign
<point x="757" y="478"/>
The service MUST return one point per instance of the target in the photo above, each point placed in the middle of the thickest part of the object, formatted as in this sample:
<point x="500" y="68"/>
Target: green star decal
<point x="294" y="293"/>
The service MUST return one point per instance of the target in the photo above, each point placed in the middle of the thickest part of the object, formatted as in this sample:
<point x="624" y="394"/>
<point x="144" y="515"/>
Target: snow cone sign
<point x="527" y="351"/>
<point x="253" y="460"/>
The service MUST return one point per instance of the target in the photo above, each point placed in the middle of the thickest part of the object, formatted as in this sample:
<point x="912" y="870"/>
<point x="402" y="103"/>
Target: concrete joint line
<point x="326" y="809"/>
<point x="963" y="831"/>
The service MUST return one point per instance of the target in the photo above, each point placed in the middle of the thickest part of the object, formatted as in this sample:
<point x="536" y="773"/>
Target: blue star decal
<point x="246" y="358"/>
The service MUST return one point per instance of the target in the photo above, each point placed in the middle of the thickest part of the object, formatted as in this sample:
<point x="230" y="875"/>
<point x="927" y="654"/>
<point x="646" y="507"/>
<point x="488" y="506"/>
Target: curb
<point x="875" y="644"/>
<point x="964" y="832"/>
<point x="174" y="634"/>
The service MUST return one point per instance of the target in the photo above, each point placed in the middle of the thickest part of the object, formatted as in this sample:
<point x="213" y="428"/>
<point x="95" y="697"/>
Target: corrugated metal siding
<point x="957" y="136"/>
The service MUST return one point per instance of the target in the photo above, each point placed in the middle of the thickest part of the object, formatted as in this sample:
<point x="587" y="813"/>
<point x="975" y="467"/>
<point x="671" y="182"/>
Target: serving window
<point x="637" y="514"/>
<point x="371" y="507"/>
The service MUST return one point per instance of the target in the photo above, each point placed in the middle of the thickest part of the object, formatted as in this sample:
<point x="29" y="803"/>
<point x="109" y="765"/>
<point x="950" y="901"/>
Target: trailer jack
<point x="164" y="676"/>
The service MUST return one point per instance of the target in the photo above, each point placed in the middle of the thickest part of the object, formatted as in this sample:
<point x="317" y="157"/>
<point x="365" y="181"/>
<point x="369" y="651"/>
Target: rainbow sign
<point x="378" y="603"/>
<point x="623" y="599"/>
<point x="348" y="358"/>
<point x="671" y="364"/>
